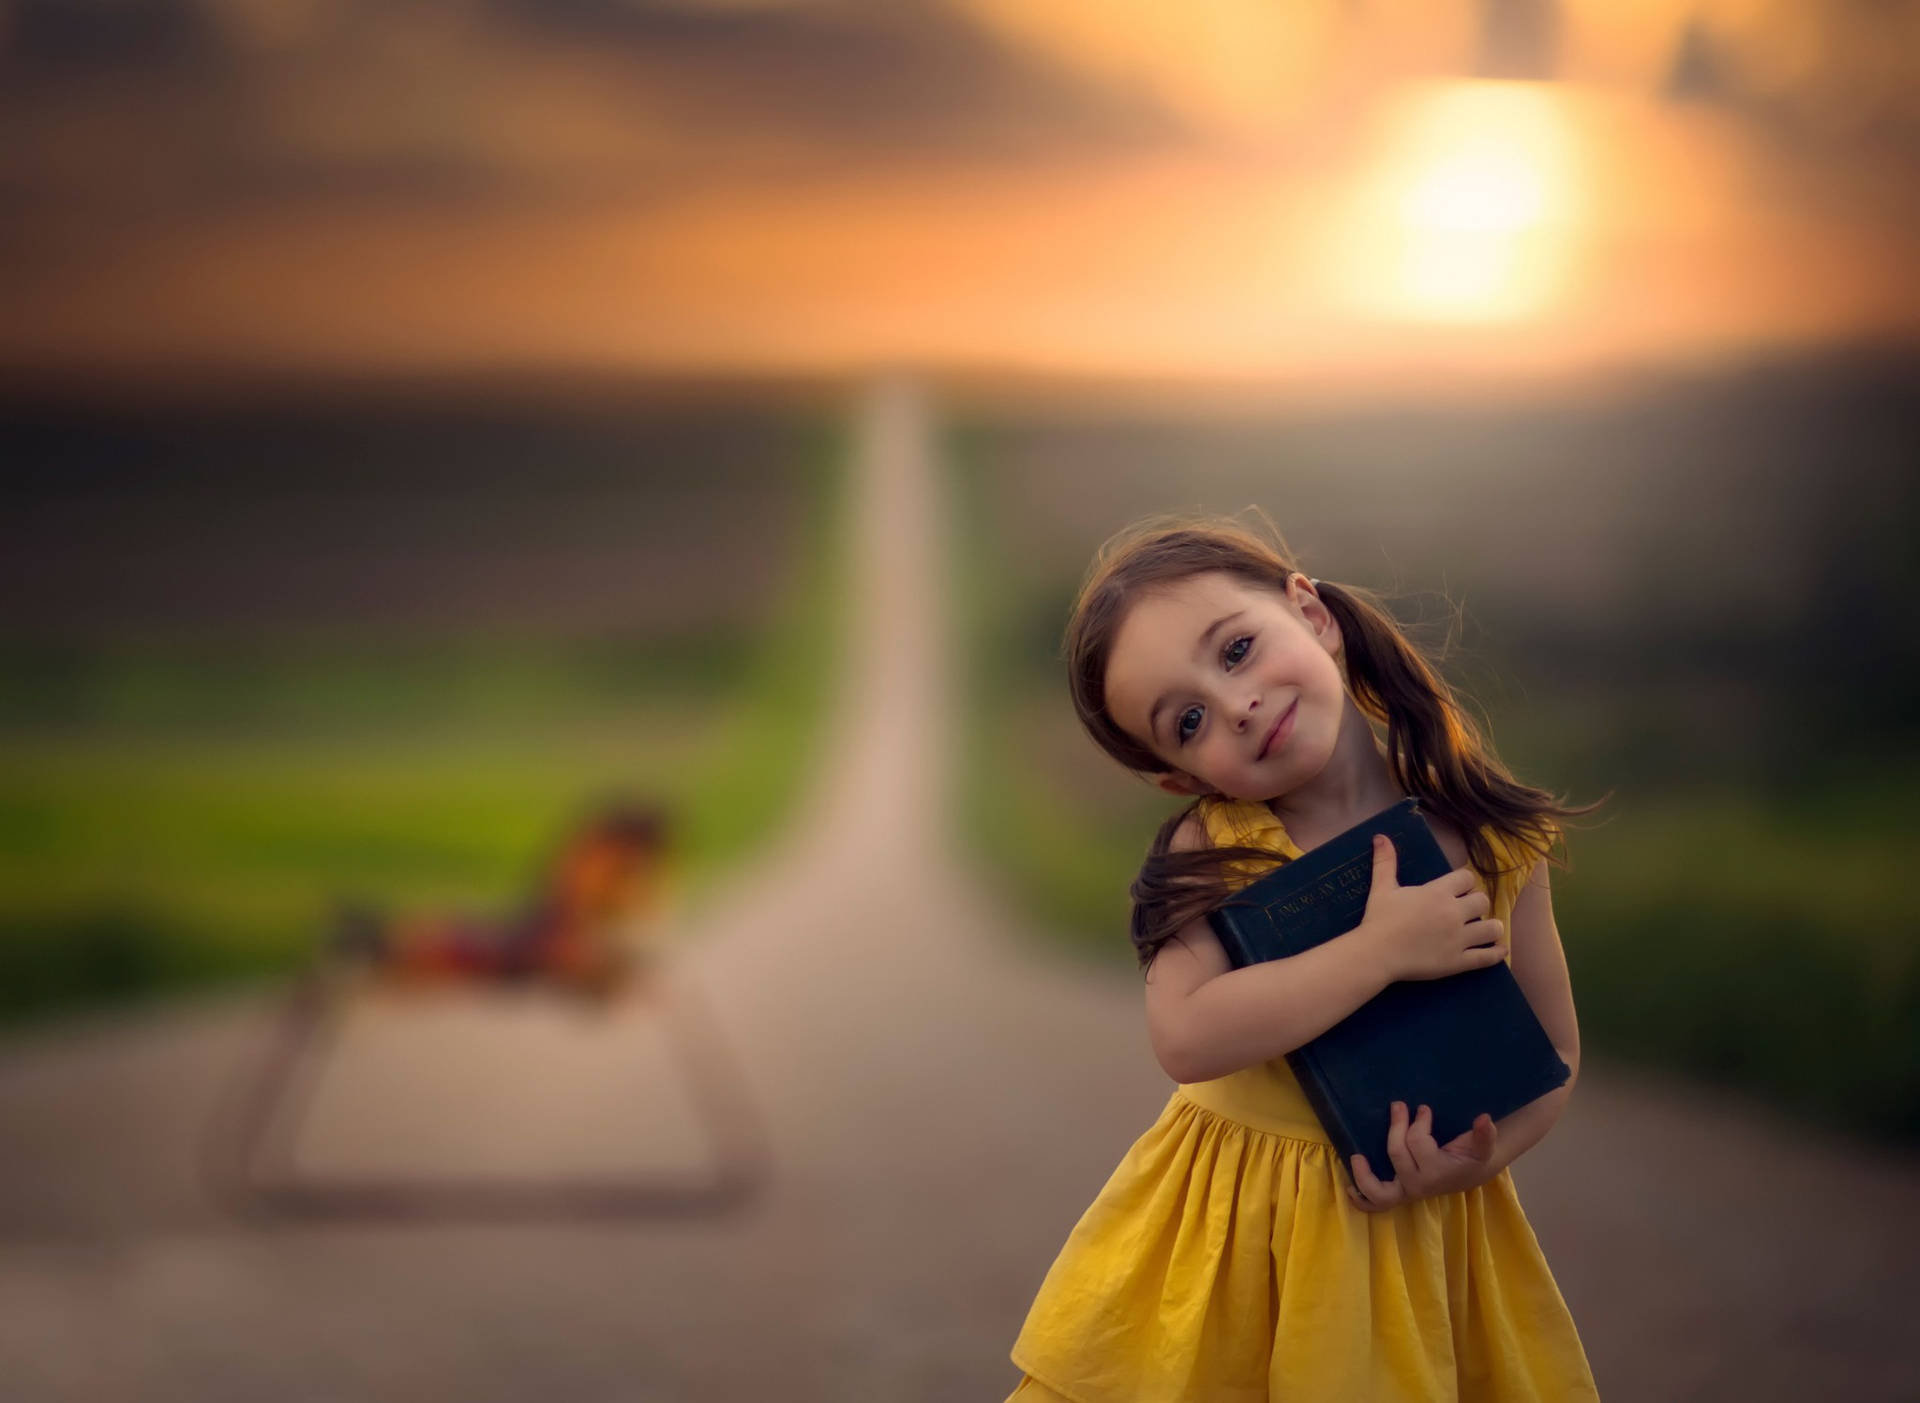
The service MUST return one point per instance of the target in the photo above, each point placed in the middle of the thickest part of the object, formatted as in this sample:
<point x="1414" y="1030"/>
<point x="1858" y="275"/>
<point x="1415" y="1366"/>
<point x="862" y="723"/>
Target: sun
<point x="1468" y="207"/>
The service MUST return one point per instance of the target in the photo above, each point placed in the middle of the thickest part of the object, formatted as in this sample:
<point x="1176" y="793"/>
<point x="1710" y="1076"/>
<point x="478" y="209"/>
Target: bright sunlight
<point x="1468" y="207"/>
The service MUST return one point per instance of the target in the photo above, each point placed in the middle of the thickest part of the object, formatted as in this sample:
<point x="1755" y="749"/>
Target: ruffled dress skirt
<point x="1224" y="1263"/>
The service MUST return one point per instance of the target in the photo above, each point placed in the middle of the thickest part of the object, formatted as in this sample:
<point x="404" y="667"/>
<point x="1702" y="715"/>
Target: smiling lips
<point x="1279" y="731"/>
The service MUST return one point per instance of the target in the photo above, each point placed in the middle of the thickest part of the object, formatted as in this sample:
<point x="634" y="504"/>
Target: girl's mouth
<point x="1281" y="730"/>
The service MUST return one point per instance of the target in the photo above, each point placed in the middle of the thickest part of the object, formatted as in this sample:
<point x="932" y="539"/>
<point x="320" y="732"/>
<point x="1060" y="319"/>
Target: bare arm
<point x="1207" y="1019"/>
<point x="1540" y="966"/>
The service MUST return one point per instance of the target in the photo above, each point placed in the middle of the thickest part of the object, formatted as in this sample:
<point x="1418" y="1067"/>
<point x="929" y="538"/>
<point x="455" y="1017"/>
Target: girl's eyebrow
<point x="1200" y="651"/>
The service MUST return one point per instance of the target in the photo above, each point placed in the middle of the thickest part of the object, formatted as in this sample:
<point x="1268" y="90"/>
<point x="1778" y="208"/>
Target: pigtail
<point x="1434" y="750"/>
<point x="1176" y="886"/>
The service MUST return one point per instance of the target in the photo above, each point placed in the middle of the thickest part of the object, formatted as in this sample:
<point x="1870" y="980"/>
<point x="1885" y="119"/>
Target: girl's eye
<point x="1236" y="650"/>
<point x="1186" y="724"/>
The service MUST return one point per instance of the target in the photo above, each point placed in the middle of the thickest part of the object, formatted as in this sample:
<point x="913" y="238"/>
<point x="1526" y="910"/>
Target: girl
<point x="1229" y="1257"/>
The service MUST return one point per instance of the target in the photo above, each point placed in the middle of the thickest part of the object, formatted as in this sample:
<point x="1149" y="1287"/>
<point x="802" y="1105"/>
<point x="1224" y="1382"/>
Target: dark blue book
<point x="1465" y="1044"/>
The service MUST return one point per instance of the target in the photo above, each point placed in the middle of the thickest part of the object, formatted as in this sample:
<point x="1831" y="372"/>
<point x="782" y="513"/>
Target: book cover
<point x="1465" y="1044"/>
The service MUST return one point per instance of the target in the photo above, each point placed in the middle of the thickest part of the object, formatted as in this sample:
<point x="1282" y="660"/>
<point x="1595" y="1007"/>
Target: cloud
<point x="520" y="98"/>
<point x="58" y="37"/>
<point x="788" y="182"/>
<point x="1807" y="69"/>
<point x="155" y="105"/>
<point x="1241" y="68"/>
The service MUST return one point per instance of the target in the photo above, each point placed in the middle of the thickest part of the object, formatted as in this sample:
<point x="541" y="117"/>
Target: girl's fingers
<point x="1478" y="1140"/>
<point x="1364" y="1204"/>
<point x="1377" y="1194"/>
<point x="1488" y="1138"/>
<point x="1421" y="1145"/>
<point x="1397" y="1139"/>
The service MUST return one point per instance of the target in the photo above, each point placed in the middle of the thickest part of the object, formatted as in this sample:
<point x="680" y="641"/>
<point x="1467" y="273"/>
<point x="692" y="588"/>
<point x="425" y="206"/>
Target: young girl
<point x="1229" y="1257"/>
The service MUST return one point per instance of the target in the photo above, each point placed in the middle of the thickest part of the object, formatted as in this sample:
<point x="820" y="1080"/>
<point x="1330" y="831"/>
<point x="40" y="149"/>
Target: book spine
<point x="1226" y="930"/>
<point x="1306" y="1071"/>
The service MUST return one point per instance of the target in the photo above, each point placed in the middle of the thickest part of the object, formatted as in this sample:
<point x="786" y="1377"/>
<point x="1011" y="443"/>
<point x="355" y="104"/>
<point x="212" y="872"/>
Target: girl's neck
<point x="1355" y="784"/>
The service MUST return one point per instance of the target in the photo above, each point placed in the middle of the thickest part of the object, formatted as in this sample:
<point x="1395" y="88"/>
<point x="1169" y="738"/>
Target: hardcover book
<point x="1464" y="1044"/>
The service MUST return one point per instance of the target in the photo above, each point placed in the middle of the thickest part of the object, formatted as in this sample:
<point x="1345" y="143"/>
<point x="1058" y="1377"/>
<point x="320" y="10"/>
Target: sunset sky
<point x="1319" y="193"/>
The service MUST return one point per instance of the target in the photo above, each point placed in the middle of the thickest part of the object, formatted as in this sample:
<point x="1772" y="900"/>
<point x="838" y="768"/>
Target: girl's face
<point x="1237" y="688"/>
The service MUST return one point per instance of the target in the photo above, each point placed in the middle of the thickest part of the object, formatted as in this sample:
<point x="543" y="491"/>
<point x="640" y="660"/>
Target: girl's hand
<point x="1431" y="930"/>
<point x="1422" y="1168"/>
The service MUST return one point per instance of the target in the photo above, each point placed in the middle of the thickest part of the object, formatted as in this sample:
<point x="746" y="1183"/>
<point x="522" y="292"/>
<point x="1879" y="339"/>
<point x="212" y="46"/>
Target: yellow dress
<point x="1224" y="1263"/>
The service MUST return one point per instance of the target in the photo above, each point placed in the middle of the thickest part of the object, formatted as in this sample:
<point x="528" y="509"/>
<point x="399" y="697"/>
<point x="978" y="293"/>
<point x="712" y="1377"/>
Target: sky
<point x="1322" y="193"/>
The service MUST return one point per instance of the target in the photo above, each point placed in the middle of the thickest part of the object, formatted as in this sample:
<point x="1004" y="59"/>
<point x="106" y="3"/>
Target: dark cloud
<point x="1518" y="39"/>
<point x="1698" y="71"/>
<point x="1838" y="74"/>
<point x="886" y="73"/>
<point x="168" y="102"/>
<point x="51" y="38"/>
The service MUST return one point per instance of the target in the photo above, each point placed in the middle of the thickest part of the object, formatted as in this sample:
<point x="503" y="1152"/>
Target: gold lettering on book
<point x="1344" y="883"/>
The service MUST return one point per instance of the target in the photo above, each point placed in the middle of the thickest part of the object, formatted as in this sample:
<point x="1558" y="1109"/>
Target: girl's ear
<point x="1176" y="782"/>
<point x="1314" y="609"/>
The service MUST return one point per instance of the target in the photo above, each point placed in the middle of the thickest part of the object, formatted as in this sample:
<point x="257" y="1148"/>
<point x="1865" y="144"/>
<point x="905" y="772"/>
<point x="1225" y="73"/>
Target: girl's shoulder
<point x="1215" y="822"/>
<point x="1515" y="857"/>
<point x="1190" y="835"/>
<point x="1524" y="852"/>
<point x="1242" y="823"/>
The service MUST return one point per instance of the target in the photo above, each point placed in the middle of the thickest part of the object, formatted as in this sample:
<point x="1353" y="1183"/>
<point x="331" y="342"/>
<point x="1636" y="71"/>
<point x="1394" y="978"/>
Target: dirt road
<point x="939" y="1104"/>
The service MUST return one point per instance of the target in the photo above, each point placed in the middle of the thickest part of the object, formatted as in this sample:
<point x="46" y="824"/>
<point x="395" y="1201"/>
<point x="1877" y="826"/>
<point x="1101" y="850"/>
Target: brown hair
<point x="1433" y="748"/>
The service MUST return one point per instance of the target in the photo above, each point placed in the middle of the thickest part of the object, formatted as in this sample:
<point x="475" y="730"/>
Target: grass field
<point x="189" y="810"/>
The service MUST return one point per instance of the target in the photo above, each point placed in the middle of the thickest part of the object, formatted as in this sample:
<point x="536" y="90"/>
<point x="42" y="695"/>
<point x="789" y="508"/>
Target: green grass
<point x="134" y="864"/>
<point x="1756" y="945"/>
<point x="170" y="818"/>
<point x="759" y="755"/>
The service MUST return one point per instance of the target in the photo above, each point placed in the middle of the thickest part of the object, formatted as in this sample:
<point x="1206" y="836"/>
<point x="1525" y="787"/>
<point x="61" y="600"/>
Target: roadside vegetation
<point x="190" y="811"/>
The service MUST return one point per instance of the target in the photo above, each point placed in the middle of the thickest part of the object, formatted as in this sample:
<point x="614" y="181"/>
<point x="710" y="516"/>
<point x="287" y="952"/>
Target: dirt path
<point x="939" y="1106"/>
